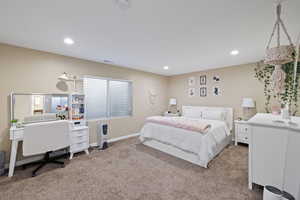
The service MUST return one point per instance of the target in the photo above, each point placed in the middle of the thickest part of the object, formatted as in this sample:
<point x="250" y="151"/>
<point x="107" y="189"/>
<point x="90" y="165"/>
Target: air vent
<point x="107" y="61"/>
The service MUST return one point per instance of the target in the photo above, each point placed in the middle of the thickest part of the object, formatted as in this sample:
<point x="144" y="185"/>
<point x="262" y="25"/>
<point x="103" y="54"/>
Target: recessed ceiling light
<point x="166" y="67"/>
<point x="68" y="41"/>
<point x="234" y="52"/>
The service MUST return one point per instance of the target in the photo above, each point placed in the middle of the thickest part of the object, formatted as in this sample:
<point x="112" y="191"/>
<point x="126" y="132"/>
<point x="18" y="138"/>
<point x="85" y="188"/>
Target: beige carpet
<point x="129" y="170"/>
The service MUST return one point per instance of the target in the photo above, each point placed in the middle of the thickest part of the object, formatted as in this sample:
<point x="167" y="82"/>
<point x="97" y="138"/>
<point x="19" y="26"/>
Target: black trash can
<point x="273" y="193"/>
<point x="2" y="162"/>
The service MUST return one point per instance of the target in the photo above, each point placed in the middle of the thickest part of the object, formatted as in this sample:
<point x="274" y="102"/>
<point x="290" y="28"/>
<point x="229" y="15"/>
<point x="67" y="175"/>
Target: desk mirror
<point x="30" y="108"/>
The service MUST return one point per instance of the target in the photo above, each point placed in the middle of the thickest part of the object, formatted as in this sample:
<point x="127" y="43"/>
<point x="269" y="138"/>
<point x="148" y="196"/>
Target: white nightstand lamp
<point x="247" y="105"/>
<point x="172" y="105"/>
<point x="172" y="102"/>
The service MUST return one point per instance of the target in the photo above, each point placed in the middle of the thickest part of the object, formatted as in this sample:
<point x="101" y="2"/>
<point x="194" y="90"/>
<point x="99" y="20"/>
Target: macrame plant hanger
<point x="282" y="54"/>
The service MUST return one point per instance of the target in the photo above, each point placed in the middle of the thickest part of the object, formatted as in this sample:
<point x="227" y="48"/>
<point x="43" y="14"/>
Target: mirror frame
<point x="12" y="100"/>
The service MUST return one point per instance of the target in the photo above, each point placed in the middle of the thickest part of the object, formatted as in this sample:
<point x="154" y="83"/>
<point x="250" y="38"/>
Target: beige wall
<point x="236" y="82"/>
<point x="24" y="70"/>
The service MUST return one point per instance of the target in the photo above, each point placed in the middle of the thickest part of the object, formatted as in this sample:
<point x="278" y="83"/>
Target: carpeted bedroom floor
<point x="130" y="171"/>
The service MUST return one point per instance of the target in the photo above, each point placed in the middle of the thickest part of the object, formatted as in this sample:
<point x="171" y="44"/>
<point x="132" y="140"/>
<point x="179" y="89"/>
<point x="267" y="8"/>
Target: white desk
<point x="79" y="137"/>
<point x="274" y="152"/>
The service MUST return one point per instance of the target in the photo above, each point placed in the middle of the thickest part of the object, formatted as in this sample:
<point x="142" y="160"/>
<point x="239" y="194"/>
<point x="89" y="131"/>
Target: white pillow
<point x="214" y="115"/>
<point x="192" y="113"/>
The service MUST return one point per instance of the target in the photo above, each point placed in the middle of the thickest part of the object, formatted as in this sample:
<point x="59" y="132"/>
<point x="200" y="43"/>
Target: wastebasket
<point x="273" y="193"/>
<point x="2" y="162"/>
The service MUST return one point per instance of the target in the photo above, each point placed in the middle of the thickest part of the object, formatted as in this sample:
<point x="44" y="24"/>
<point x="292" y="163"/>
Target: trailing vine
<point x="289" y="96"/>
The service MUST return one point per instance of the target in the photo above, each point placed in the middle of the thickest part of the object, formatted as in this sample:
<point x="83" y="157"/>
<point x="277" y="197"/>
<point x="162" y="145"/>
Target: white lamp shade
<point x="172" y="101"/>
<point x="248" y="103"/>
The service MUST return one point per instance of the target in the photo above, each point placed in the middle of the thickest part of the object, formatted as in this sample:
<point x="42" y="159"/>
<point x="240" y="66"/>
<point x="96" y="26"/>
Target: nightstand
<point x="242" y="130"/>
<point x="166" y="114"/>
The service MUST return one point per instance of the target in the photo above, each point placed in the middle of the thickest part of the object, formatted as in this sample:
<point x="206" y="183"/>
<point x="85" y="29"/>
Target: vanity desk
<point x="274" y="152"/>
<point x="79" y="138"/>
<point x="37" y="108"/>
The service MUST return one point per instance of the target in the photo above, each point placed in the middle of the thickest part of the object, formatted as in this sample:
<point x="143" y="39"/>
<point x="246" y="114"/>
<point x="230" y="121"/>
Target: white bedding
<point x="205" y="146"/>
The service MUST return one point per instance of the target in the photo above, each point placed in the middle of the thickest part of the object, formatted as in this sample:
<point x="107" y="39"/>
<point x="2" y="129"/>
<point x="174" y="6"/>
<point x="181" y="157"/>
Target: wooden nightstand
<point x="166" y="114"/>
<point x="242" y="130"/>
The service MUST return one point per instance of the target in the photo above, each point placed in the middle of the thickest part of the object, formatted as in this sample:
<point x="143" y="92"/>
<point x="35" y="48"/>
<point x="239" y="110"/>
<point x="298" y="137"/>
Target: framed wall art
<point x="203" y="92"/>
<point x="203" y="80"/>
<point x="191" y="92"/>
<point x="191" y="81"/>
<point x="216" y="91"/>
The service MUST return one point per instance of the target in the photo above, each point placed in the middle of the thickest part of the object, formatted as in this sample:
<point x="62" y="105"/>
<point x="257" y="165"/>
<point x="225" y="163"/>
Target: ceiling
<point x="185" y="35"/>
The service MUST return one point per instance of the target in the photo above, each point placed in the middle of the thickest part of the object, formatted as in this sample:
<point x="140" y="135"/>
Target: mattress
<point x="205" y="146"/>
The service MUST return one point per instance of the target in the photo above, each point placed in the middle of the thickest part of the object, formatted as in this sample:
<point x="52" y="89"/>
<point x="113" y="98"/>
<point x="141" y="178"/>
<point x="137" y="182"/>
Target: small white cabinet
<point x="242" y="130"/>
<point x="79" y="137"/>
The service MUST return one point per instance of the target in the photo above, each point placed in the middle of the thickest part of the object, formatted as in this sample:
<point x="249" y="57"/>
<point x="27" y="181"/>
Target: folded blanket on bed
<point x="180" y="122"/>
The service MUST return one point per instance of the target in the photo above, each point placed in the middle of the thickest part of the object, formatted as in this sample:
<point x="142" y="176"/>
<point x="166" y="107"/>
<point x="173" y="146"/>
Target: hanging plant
<point x="289" y="96"/>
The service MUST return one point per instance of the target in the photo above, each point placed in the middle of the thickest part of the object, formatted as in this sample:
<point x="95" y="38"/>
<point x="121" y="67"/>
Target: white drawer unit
<point x="79" y="137"/>
<point x="242" y="130"/>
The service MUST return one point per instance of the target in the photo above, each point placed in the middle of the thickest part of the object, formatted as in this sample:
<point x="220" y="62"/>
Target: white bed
<point x="191" y="146"/>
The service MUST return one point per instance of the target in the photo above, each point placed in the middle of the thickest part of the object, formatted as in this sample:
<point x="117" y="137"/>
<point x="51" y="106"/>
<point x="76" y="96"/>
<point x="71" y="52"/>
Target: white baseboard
<point x="117" y="139"/>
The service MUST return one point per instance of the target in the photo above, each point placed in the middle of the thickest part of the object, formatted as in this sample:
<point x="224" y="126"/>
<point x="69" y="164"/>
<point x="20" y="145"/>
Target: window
<point x="38" y="104"/>
<point x="107" y="97"/>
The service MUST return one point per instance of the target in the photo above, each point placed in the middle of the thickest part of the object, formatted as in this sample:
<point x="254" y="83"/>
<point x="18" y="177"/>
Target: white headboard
<point x="229" y="112"/>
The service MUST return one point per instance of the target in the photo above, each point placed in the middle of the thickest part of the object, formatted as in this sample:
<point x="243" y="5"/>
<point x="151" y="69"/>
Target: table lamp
<point x="247" y="104"/>
<point x="172" y="105"/>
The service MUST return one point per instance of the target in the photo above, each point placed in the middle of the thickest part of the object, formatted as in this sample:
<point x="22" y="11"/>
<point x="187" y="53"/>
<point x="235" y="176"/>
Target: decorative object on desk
<point x="216" y="79"/>
<point x="14" y="122"/>
<point x="192" y="92"/>
<point x="285" y="112"/>
<point x="247" y="105"/>
<point x="191" y="81"/>
<point x="203" y="92"/>
<point x="203" y="80"/>
<point x="216" y="91"/>
<point x="276" y="108"/>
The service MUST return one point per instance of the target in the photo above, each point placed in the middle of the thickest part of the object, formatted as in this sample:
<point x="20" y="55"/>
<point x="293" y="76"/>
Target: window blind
<point x="96" y="98"/>
<point x="107" y="98"/>
<point x="120" y="98"/>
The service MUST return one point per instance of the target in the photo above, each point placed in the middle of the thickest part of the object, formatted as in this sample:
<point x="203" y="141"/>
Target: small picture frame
<point x="191" y="92"/>
<point x="216" y="91"/>
<point x="203" y="92"/>
<point x="216" y="79"/>
<point x="203" y="80"/>
<point x="191" y="81"/>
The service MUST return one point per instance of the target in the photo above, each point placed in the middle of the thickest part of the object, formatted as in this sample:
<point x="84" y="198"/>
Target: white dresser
<point x="274" y="149"/>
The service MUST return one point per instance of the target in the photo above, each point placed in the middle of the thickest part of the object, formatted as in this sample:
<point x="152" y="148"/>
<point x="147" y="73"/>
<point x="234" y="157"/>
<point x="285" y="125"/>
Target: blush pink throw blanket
<point x="184" y="123"/>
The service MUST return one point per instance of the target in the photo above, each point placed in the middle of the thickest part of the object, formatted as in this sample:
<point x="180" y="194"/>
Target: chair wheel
<point x="63" y="166"/>
<point x="33" y="175"/>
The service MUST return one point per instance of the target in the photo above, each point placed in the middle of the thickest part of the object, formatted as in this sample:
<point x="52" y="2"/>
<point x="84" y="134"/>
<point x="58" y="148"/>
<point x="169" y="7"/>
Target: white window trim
<point x="108" y="98"/>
